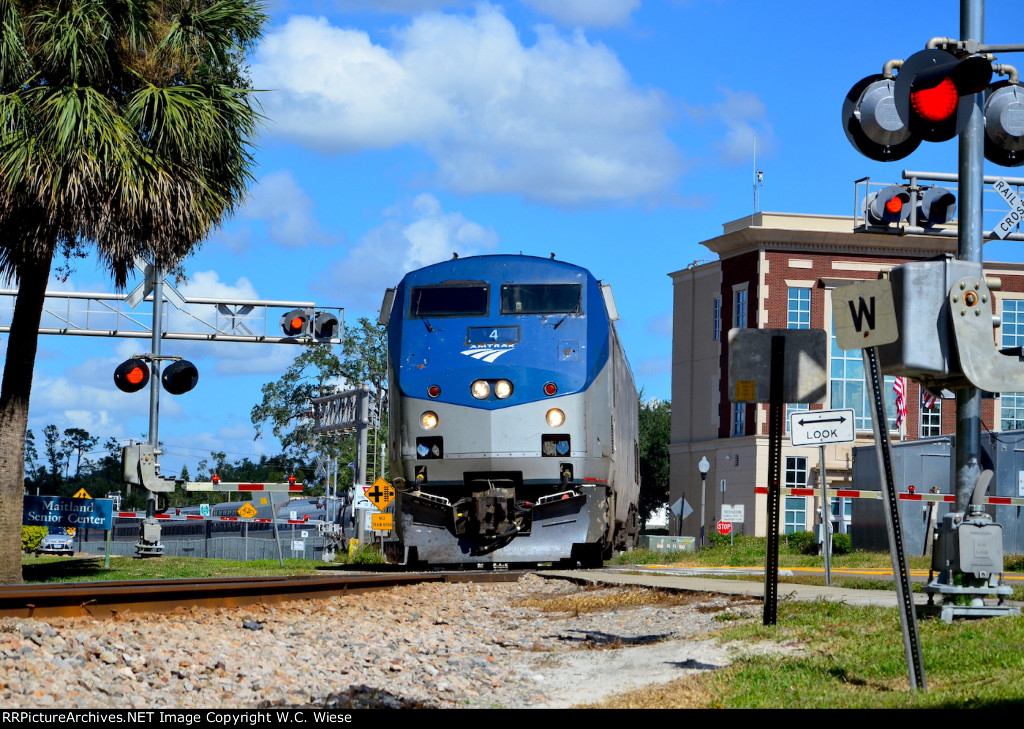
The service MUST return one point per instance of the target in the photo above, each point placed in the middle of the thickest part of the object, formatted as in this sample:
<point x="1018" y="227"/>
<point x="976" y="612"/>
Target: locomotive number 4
<point x="493" y="335"/>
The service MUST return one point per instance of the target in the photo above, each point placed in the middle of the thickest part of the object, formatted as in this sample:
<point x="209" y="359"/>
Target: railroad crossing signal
<point x="934" y="92"/>
<point x="930" y="99"/>
<point x="296" y="322"/>
<point x="131" y="375"/>
<point x="381" y="493"/>
<point x="179" y="377"/>
<point x="310" y="324"/>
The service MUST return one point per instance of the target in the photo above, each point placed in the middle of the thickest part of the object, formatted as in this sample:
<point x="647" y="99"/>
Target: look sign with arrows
<point x="821" y="427"/>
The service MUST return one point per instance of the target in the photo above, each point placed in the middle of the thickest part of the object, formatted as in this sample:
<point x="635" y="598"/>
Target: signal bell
<point x="131" y="375"/>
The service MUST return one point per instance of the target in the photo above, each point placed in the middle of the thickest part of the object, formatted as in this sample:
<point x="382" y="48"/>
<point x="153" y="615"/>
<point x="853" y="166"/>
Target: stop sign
<point x="724" y="527"/>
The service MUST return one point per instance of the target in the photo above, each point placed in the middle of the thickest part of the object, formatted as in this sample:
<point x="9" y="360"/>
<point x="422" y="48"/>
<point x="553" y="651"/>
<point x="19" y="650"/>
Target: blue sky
<point x="617" y="134"/>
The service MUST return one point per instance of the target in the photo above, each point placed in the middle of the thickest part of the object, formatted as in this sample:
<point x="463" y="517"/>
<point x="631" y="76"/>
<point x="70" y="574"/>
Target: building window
<point x="739" y="416"/>
<point x="848" y="389"/>
<point x="1011" y="411"/>
<point x="740" y="310"/>
<point x="716" y="324"/>
<point x="796" y="506"/>
<point x="794" y="407"/>
<point x="931" y="415"/>
<point x="1011" y="404"/>
<point x="798" y="312"/>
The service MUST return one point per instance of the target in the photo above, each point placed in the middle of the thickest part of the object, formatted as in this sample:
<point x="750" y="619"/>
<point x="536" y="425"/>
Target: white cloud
<point x="279" y="209"/>
<point x="286" y="210"/>
<point x="743" y="118"/>
<point x="558" y="121"/>
<point x="598" y="13"/>
<point x="415" y="234"/>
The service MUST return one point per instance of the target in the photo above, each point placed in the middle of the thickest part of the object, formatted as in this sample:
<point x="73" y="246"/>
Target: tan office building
<point x="778" y="271"/>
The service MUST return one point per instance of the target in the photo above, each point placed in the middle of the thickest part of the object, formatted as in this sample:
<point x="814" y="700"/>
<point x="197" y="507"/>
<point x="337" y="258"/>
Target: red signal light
<point x="215" y="478"/>
<point x="131" y="375"/>
<point x="938" y="103"/>
<point x="550" y="388"/>
<point x="434" y="391"/>
<point x="297" y="322"/>
<point x="135" y="375"/>
<point x="894" y="206"/>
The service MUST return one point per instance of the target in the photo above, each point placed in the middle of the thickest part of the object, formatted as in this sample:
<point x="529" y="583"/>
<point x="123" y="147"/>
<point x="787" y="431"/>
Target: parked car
<point x="58" y="541"/>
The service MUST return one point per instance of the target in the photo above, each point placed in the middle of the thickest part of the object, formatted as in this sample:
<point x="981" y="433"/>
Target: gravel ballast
<point x="439" y="645"/>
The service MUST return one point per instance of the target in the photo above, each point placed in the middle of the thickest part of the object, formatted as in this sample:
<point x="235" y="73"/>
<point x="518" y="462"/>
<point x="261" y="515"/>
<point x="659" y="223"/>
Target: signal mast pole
<point x="970" y="237"/>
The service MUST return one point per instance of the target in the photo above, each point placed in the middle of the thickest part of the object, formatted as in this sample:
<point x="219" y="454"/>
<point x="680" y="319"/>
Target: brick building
<point x="778" y="271"/>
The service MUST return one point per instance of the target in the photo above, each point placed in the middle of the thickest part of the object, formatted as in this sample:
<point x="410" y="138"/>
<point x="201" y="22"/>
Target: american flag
<point x="899" y="387"/>
<point x="928" y="400"/>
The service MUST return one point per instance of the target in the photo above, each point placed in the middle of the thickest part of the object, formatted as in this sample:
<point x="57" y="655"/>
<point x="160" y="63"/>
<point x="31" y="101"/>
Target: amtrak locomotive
<point x="513" y="421"/>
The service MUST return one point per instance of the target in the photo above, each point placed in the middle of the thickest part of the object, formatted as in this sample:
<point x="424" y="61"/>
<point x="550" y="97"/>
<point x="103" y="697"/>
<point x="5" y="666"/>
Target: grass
<point x="61" y="569"/>
<point x="830" y="655"/>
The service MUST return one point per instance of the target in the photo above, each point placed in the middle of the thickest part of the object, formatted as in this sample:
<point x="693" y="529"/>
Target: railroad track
<point x="109" y="599"/>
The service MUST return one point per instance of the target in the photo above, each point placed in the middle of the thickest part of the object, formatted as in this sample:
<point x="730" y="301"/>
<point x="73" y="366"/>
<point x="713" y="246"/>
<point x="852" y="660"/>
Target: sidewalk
<point x="786" y="591"/>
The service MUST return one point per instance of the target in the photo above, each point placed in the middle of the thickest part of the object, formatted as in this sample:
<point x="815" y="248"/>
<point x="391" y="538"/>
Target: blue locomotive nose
<point x="513" y="413"/>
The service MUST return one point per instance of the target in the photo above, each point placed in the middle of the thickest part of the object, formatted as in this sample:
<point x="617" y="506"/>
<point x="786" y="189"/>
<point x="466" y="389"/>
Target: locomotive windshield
<point x="431" y="301"/>
<point x="540" y="299"/>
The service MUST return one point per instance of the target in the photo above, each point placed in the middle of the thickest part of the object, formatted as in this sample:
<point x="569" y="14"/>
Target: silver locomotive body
<point x="513" y="416"/>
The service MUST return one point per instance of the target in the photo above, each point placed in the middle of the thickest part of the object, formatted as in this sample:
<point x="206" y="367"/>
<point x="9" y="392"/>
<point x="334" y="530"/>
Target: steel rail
<point x="104" y="600"/>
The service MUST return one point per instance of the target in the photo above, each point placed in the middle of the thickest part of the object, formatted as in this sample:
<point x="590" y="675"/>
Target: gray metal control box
<point x="926" y="349"/>
<point x="974" y="547"/>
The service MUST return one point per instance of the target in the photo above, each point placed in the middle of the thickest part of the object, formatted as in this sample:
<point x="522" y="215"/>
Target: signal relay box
<point x="926" y="349"/>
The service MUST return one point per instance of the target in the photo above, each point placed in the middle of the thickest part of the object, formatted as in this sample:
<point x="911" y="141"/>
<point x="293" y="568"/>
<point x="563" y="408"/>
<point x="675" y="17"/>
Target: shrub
<point x="367" y="554"/>
<point x="1013" y="563"/>
<point x="841" y="544"/>
<point x="802" y="543"/>
<point x="31" y="536"/>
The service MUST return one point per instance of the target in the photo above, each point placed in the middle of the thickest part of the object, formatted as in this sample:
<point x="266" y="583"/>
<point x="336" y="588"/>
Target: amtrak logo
<point x="487" y="354"/>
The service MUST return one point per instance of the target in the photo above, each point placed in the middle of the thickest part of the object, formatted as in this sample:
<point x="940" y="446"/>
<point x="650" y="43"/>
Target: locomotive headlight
<point x="555" y="417"/>
<point x="502" y="389"/>
<point x="480" y="389"/>
<point x="428" y="420"/>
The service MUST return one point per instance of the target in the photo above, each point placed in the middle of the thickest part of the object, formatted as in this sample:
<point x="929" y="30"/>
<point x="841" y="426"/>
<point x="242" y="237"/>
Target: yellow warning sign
<point x="247" y="511"/>
<point x="746" y="391"/>
<point x="381" y="493"/>
<point x="382" y="522"/>
<point x="81" y="494"/>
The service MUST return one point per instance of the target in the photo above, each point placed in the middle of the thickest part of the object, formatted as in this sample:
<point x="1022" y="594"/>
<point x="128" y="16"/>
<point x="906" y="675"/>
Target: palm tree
<point x="126" y="125"/>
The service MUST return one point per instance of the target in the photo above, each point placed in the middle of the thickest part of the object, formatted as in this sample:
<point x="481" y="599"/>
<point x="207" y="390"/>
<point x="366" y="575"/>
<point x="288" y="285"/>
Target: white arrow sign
<point x="821" y="427"/>
<point x="1016" y="214"/>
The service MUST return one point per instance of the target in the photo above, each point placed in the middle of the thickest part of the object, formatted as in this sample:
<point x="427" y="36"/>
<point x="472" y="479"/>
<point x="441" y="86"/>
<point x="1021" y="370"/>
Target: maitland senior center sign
<point x="59" y="511"/>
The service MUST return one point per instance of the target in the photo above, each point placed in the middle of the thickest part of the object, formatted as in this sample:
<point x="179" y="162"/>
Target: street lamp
<point x="703" y="466"/>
